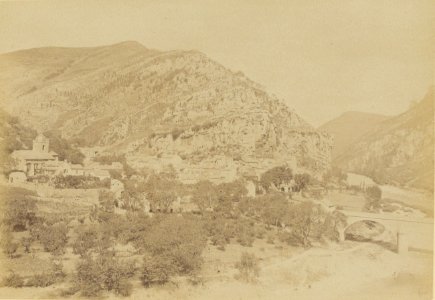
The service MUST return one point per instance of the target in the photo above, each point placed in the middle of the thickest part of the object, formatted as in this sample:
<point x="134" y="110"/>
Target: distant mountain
<point x="398" y="150"/>
<point x="148" y="103"/>
<point x="349" y="127"/>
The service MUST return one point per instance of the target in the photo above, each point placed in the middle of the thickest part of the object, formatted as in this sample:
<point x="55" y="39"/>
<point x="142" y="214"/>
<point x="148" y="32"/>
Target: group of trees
<point x="169" y="244"/>
<point x="20" y="214"/>
<point x="278" y="177"/>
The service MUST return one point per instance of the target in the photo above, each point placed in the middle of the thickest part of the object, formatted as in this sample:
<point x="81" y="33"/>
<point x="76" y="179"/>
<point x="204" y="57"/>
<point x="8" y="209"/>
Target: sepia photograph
<point x="217" y="149"/>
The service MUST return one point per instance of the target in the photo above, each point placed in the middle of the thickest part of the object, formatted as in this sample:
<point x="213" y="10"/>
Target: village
<point x="39" y="167"/>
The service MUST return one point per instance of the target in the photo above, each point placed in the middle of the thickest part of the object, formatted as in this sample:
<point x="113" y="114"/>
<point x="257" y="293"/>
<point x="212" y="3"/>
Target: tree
<point x="162" y="191"/>
<point x="19" y="208"/>
<point x="245" y="233"/>
<point x="309" y="221"/>
<point x="104" y="272"/>
<point x="63" y="148"/>
<point x="85" y="241"/>
<point x="176" y="240"/>
<point x="301" y="181"/>
<point x="205" y="195"/>
<point x="157" y="270"/>
<point x="54" y="238"/>
<point x="133" y="200"/>
<point x="8" y="245"/>
<point x="305" y="218"/>
<point x="106" y="200"/>
<point x="274" y="208"/>
<point x="248" y="267"/>
<point x="276" y="177"/>
<point x="373" y="197"/>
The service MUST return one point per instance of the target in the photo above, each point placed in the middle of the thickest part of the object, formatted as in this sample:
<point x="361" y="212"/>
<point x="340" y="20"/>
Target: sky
<point x="321" y="58"/>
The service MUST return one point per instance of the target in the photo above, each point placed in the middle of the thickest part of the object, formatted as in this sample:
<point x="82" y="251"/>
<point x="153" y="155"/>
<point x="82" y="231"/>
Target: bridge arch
<point x="399" y="242"/>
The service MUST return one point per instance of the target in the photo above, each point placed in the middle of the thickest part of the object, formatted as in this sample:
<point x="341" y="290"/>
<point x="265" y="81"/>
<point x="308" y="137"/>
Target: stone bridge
<point x="401" y="226"/>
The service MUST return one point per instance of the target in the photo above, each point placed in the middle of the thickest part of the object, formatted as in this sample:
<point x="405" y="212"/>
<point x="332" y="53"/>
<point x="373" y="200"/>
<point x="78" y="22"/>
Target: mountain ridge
<point x="145" y="102"/>
<point x="349" y="127"/>
<point x="399" y="150"/>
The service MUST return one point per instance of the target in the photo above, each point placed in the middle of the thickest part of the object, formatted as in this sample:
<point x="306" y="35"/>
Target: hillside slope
<point x="349" y="127"/>
<point x="144" y="103"/>
<point x="399" y="150"/>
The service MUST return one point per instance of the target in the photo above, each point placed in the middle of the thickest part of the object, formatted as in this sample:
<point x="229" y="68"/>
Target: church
<point x="38" y="161"/>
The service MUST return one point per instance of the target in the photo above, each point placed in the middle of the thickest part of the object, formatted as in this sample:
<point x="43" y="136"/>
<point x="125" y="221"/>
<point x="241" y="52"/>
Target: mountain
<point x="349" y="127"/>
<point x="154" y="106"/>
<point x="398" y="150"/>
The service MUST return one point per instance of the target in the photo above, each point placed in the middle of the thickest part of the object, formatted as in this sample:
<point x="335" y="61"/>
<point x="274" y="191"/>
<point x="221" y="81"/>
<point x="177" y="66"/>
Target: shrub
<point x="124" y="288"/>
<point x="248" y="267"/>
<point x="220" y="231"/>
<point x="19" y="208"/>
<point x="54" y="238"/>
<point x="8" y="245"/>
<point x="13" y="280"/>
<point x="104" y="272"/>
<point x="373" y="197"/>
<point x="179" y="240"/>
<point x="309" y="221"/>
<point x="245" y="234"/>
<point x="85" y="241"/>
<point x="157" y="270"/>
<point x="260" y="232"/>
<point x="41" y="280"/>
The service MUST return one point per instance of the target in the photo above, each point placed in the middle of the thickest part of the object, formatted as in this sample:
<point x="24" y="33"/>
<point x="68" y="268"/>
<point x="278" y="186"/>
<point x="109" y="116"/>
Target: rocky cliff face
<point x="399" y="150"/>
<point x="145" y="103"/>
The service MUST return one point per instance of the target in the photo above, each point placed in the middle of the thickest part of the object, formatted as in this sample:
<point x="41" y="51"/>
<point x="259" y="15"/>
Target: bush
<point x="13" y="280"/>
<point x="245" y="234"/>
<point x="179" y="240"/>
<point x="19" y="208"/>
<point x="124" y="288"/>
<point x="157" y="270"/>
<point x="310" y="221"/>
<point x="373" y="197"/>
<point x="8" y="245"/>
<point x="220" y="231"/>
<point x="260" y="232"/>
<point x="86" y="240"/>
<point x="248" y="267"/>
<point x="42" y="280"/>
<point x="54" y="238"/>
<point x="104" y="272"/>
